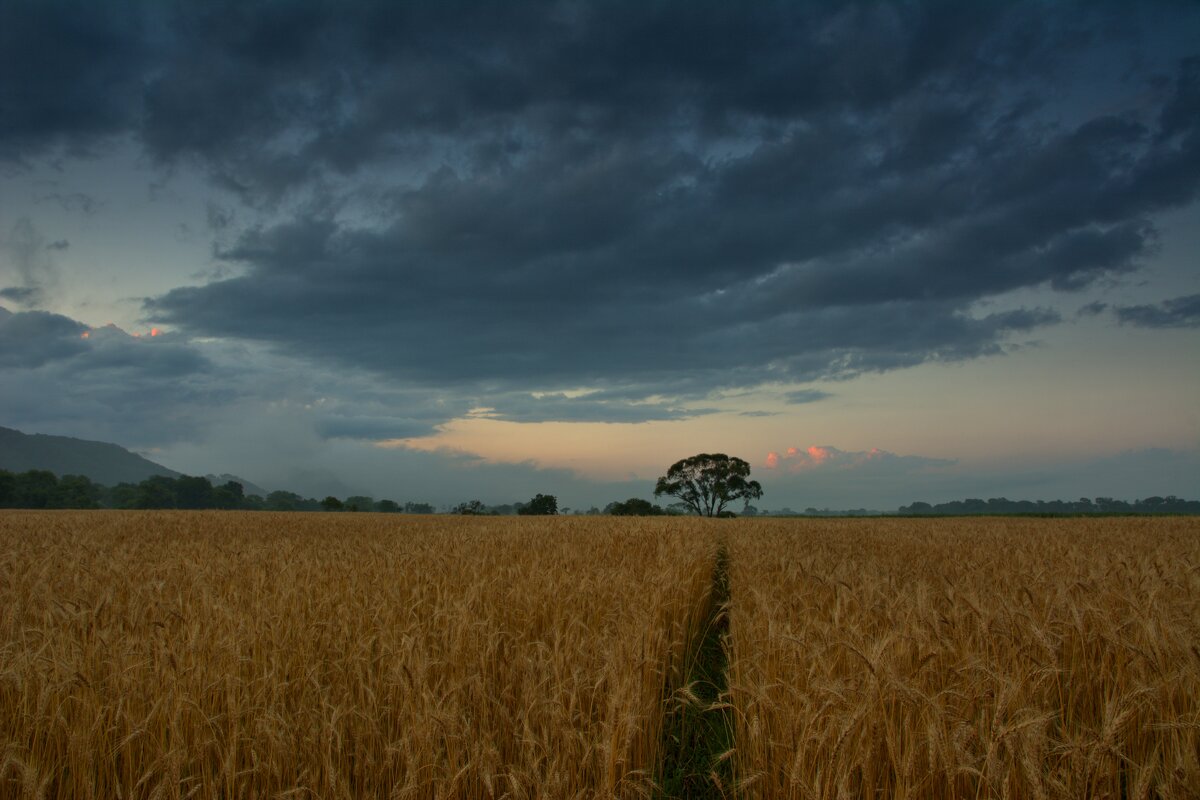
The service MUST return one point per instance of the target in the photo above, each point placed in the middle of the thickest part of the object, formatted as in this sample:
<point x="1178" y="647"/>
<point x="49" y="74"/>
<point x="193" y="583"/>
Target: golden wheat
<point x="172" y="654"/>
<point x="1010" y="658"/>
<point x="230" y="655"/>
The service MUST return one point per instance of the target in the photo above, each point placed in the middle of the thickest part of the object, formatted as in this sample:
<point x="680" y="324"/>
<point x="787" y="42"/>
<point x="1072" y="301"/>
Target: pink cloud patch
<point x="828" y="458"/>
<point x="822" y="457"/>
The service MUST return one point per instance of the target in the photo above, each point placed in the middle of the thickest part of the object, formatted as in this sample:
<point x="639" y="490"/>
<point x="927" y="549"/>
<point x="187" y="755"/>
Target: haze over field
<point x="885" y="253"/>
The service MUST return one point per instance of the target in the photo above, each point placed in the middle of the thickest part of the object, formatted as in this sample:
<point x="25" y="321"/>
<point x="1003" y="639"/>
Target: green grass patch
<point x="697" y="729"/>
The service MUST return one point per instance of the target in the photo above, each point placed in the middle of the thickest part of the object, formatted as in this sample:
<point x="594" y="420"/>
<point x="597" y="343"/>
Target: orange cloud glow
<point x="819" y="457"/>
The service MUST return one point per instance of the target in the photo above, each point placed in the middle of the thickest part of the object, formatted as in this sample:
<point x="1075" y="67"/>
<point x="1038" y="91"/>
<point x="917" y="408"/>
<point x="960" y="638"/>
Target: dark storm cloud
<point x="1180" y="312"/>
<point x="649" y="199"/>
<point x="70" y="72"/>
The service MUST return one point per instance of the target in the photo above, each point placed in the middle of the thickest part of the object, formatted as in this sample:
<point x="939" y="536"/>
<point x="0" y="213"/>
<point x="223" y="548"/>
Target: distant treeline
<point x="1101" y="505"/>
<point x="42" y="489"/>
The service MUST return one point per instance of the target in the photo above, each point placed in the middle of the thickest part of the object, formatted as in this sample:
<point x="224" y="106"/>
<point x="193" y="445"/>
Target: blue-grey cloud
<point x="26" y="258"/>
<point x="647" y="199"/>
<point x="804" y="396"/>
<point x="1178" y="312"/>
<point x="61" y="376"/>
<point x="371" y="428"/>
<point x="21" y="295"/>
<point x="34" y="338"/>
<point x="70" y="73"/>
<point x="558" y="407"/>
<point x="72" y="201"/>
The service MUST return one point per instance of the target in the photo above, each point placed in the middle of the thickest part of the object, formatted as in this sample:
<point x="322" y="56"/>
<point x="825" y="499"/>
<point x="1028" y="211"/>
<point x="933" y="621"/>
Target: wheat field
<point x="258" y="655"/>
<point x="966" y="658"/>
<point x="175" y="654"/>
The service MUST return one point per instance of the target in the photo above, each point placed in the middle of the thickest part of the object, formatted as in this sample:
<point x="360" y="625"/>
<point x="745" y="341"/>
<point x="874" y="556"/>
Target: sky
<point x="883" y="252"/>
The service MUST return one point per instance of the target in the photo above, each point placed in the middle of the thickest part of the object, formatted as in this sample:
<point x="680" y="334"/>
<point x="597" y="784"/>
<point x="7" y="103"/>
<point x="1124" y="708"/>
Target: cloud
<point x="826" y="458"/>
<point x="72" y="201"/>
<point x="70" y="72"/>
<point x="34" y="338"/>
<point x="884" y="484"/>
<point x="723" y="220"/>
<point x="21" y="295"/>
<point x="159" y="387"/>
<point x="559" y="407"/>
<point x="26" y="257"/>
<point x="371" y="428"/>
<point x="653" y="201"/>
<point x="1179" y="312"/>
<point x="61" y="376"/>
<point x="805" y="396"/>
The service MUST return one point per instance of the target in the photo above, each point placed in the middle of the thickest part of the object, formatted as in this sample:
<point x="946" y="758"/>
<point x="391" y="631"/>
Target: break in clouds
<point x="463" y="206"/>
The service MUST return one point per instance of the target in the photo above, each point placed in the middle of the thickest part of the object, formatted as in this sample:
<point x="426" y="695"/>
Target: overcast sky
<point x="444" y="251"/>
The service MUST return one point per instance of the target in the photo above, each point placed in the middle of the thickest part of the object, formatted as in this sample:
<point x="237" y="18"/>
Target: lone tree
<point x="708" y="482"/>
<point x="542" y="505"/>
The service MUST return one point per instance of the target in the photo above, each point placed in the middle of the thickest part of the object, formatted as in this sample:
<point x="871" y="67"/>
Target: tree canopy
<point x="633" y="507"/>
<point x="708" y="482"/>
<point x="542" y="505"/>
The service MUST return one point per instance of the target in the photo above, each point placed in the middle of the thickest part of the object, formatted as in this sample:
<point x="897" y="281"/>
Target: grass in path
<point x="697" y="731"/>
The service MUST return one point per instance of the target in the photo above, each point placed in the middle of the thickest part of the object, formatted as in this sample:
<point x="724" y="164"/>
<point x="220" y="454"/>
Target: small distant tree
<point x="8" y="489"/>
<point x="633" y="507"/>
<point x="708" y="482"/>
<point x="283" y="501"/>
<point x="77" y="491"/>
<point x="542" y="505"/>
<point x="471" y="508"/>
<point x="157" y="491"/>
<point x="123" y="495"/>
<point x="331" y="503"/>
<point x="418" y="508"/>
<point x="229" y="495"/>
<point x="387" y="507"/>
<point x="359" y="502"/>
<point x="35" y="488"/>
<point x="193" y="492"/>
